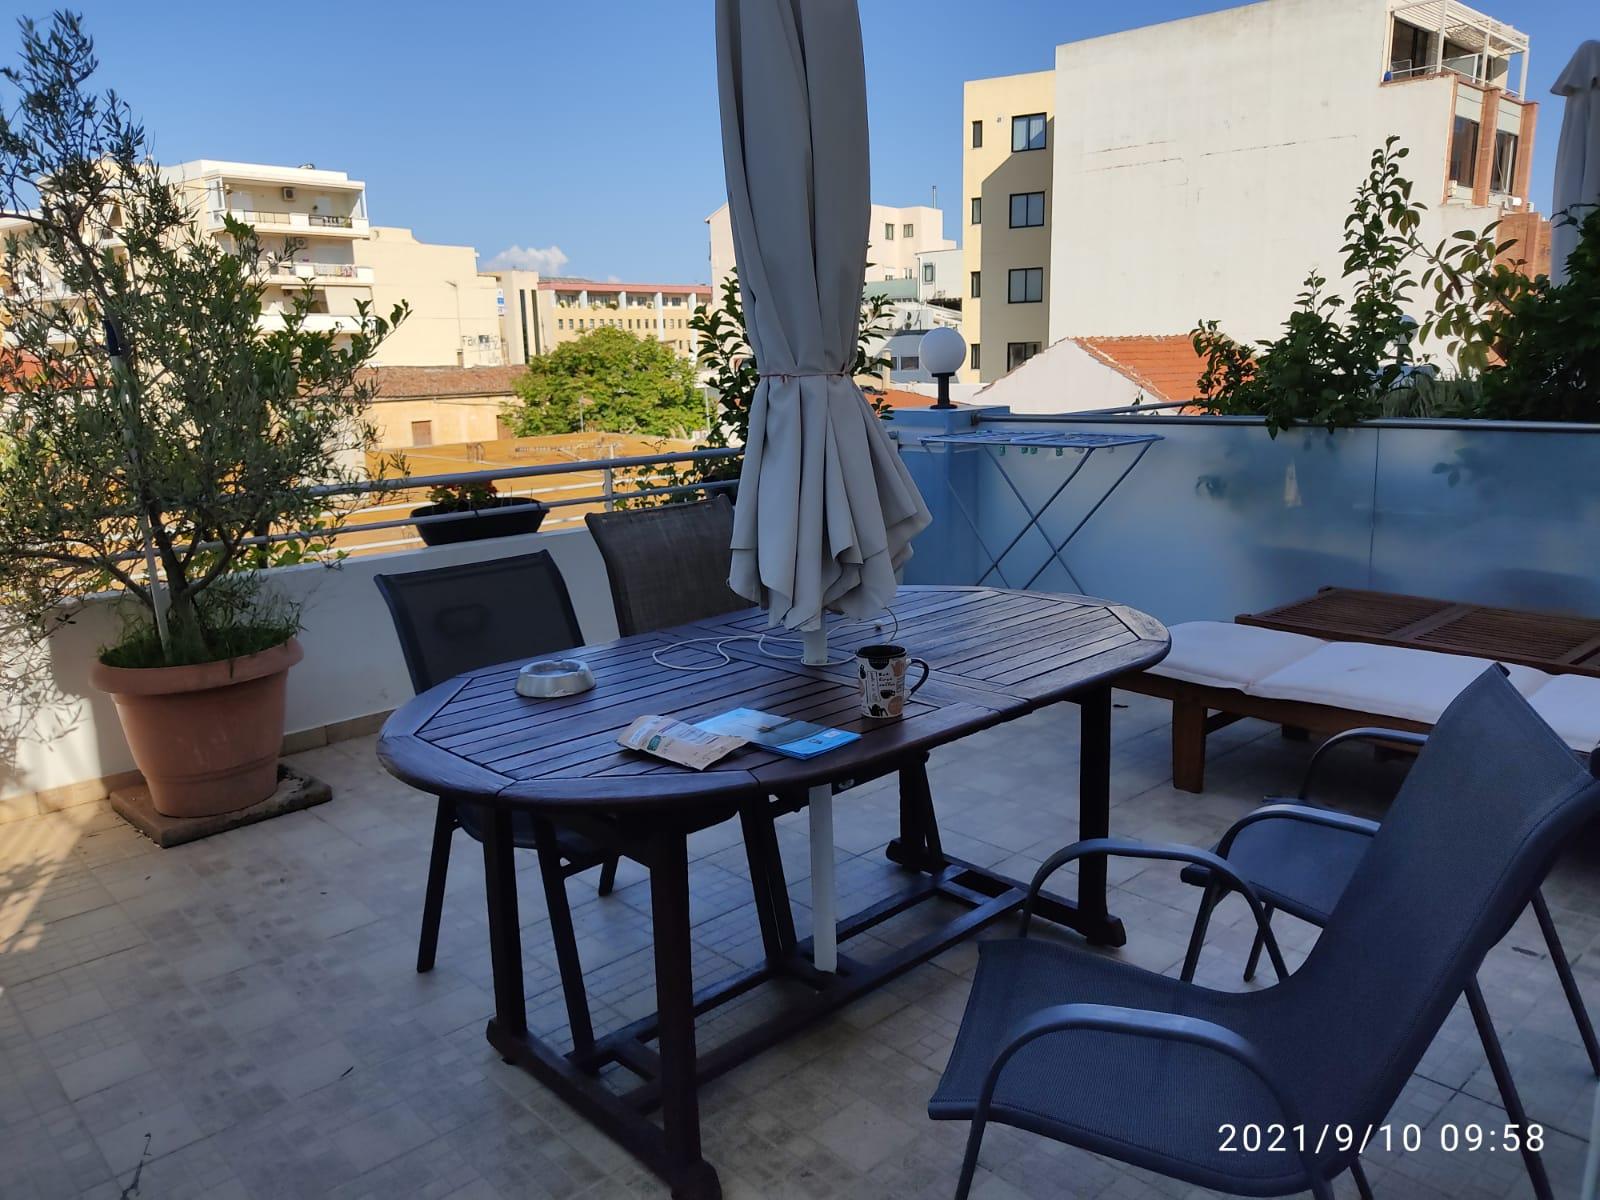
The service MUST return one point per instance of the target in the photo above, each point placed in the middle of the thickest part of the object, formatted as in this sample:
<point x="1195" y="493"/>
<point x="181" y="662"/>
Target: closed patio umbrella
<point x="826" y="509"/>
<point x="1577" y="154"/>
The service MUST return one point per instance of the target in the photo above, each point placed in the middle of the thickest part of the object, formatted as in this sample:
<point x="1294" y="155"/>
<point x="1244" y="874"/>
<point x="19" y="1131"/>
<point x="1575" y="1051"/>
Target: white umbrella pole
<point x="824" y="931"/>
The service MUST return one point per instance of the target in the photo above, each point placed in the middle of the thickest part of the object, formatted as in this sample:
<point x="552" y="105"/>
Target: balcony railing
<point x="256" y="216"/>
<point x="330" y="221"/>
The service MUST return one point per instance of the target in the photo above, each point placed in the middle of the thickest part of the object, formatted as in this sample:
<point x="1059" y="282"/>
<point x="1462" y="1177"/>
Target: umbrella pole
<point x="824" y="931"/>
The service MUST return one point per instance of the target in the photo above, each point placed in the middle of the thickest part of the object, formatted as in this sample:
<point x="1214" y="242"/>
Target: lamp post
<point x="943" y="350"/>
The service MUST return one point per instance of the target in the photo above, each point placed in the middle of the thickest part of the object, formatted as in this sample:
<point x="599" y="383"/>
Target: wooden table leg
<point x="691" y="1176"/>
<point x="1094" y="815"/>
<point x="505" y="934"/>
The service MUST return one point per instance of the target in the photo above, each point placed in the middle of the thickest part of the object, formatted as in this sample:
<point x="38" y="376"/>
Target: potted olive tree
<point x="156" y="427"/>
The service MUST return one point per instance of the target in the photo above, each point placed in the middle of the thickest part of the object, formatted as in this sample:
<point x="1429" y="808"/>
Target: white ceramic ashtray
<point x="554" y="677"/>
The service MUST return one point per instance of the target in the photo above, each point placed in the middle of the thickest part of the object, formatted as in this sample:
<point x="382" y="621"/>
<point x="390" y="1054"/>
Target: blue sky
<point x="586" y="125"/>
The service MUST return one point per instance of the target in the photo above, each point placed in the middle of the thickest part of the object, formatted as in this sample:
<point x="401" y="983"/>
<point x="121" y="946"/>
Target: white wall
<point x="1062" y="378"/>
<point x="1204" y="166"/>
<point x="64" y="732"/>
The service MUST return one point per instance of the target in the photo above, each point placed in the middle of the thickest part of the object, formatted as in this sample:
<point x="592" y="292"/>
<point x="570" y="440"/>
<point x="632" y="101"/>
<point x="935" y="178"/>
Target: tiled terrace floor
<point x="241" y="1017"/>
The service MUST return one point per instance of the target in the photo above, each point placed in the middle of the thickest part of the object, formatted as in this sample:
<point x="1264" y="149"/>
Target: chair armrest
<point x="1366" y="733"/>
<point x="1161" y="1026"/>
<point x="1296" y="812"/>
<point x="1169" y="852"/>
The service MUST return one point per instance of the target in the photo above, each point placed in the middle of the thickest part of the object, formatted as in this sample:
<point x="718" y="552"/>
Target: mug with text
<point x="882" y="674"/>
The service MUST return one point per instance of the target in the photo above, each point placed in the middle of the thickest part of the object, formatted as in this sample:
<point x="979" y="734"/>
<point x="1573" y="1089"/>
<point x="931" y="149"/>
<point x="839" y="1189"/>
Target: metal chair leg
<point x="1569" y="985"/>
<point x="608" y="875"/>
<point x="1197" y="938"/>
<point x="969" y="1161"/>
<point x="1515" y="1113"/>
<point x="444" y="827"/>
<point x="1363" y="1188"/>
<point x="1254" y="960"/>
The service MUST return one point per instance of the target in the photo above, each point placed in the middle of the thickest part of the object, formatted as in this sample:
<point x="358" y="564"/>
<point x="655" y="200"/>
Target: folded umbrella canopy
<point x="826" y="509"/>
<point x="1577" y="182"/>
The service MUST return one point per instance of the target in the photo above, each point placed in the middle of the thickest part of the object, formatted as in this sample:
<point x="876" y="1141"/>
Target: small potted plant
<point x="165" y="432"/>
<point x="493" y="516"/>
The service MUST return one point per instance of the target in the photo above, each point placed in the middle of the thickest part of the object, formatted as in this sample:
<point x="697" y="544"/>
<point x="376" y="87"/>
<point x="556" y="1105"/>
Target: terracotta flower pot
<point x="206" y="737"/>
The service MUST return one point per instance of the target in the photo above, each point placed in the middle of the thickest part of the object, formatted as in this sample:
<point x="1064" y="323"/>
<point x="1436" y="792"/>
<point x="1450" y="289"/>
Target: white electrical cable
<point x="723" y="658"/>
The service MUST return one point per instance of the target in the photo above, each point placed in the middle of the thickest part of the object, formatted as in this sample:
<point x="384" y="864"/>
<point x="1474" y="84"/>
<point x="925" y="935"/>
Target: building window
<point x="976" y="284"/>
<point x="1464" y="152"/>
<point x="977" y="135"/>
<point x="1027" y="209"/>
<point x="908" y="231"/>
<point x="888" y="231"/>
<point x="910" y="362"/>
<point x="977" y="210"/>
<point x="974" y="356"/>
<point x="1018" y="353"/>
<point x="1503" y="177"/>
<point x="927" y="272"/>
<point x="909" y="273"/>
<point x="1027" y="133"/>
<point x="422" y="433"/>
<point x="1025" y="285"/>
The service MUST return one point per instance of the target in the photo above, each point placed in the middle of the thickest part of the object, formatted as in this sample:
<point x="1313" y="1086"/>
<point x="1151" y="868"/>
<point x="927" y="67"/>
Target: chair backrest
<point x="460" y="618"/>
<point x="1481" y="816"/>
<point x="668" y="565"/>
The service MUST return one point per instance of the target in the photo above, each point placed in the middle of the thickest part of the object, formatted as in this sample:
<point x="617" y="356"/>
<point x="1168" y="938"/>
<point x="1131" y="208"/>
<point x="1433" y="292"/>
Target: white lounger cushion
<point x="1571" y="703"/>
<point x="1389" y="681"/>
<point x="1224" y="655"/>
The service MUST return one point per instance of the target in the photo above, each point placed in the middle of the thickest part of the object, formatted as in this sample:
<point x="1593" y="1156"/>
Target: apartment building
<point x="309" y="219"/>
<point x="539" y="314"/>
<point x="895" y="239"/>
<point x="455" y="317"/>
<point x="1008" y="137"/>
<point x="1200" y="168"/>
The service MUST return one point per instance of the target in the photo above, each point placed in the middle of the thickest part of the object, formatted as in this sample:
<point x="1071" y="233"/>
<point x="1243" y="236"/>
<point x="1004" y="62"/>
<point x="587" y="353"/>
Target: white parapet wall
<point x="61" y="739"/>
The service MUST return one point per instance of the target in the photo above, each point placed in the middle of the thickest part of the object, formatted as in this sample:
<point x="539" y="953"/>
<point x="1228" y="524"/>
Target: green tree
<point x="722" y="341"/>
<point x="158" y="424"/>
<point x="611" y="380"/>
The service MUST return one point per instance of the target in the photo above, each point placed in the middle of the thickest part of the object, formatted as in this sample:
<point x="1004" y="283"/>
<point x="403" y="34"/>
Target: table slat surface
<point x="994" y="654"/>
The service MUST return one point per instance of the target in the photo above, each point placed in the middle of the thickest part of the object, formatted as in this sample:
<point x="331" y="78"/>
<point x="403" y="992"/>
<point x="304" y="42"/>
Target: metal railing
<point x="329" y="220"/>
<point x="257" y="216"/>
<point x="631" y="470"/>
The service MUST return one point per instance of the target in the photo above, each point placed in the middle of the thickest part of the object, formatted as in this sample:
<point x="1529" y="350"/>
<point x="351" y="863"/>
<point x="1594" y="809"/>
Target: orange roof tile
<point x="396" y="383"/>
<point x="1165" y="366"/>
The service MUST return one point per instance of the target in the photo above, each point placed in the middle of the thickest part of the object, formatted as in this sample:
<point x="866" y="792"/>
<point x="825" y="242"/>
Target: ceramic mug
<point x="882" y="674"/>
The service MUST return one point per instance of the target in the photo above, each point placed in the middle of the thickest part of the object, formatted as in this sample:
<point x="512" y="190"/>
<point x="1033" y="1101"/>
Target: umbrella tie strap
<point x="806" y="375"/>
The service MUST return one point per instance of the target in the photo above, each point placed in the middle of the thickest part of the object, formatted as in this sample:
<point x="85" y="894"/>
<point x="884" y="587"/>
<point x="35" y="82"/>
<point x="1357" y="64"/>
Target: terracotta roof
<point x="1166" y="366"/>
<point x="397" y="383"/>
<point x="15" y="366"/>
<point x="900" y="398"/>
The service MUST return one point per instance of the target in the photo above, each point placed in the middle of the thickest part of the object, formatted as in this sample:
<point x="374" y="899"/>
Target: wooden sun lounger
<point x="1551" y="643"/>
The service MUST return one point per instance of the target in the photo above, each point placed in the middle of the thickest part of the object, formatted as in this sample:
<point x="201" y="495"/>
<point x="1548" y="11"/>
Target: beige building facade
<point x="896" y="236"/>
<point x="1008" y="139"/>
<point x="1201" y="168"/>
<point x="538" y="314"/>
<point x="454" y="320"/>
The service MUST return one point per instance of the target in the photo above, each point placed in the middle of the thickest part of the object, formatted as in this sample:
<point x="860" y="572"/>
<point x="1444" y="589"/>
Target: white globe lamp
<point x="943" y="350"/>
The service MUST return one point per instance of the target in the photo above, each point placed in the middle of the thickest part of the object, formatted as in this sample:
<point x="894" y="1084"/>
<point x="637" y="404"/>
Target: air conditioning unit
<point x="288" y="193"/>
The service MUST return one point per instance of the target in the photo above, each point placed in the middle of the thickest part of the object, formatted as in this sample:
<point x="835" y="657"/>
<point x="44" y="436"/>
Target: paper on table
<point x="677" y="742"/>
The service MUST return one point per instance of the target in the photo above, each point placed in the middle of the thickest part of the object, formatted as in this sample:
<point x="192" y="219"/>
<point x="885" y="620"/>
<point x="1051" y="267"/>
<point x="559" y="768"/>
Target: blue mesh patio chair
<point x="1146" y="1068"/>
<point x="458" y="618"/>
<point x="1299" y="858"/>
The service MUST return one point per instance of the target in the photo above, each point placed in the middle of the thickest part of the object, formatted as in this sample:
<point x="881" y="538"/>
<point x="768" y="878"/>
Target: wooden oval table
<point x="995" y="655"/>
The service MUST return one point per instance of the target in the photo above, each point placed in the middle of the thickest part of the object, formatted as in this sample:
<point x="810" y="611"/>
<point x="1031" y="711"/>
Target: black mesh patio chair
<point x="455" y="619"/>
<point x="668" y="565"/>
<point x="1145" y="1068"/>
<point x="1300" y="858"/>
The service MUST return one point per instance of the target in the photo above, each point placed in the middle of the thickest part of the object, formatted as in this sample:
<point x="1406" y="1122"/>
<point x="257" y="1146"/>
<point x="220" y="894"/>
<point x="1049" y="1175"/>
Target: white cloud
<point x="547" y="260"/>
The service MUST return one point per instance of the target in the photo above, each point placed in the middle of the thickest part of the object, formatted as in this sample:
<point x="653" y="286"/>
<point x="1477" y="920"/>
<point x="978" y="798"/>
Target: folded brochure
<point x="784" y="735"/>
<point x="677" y="742"/>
